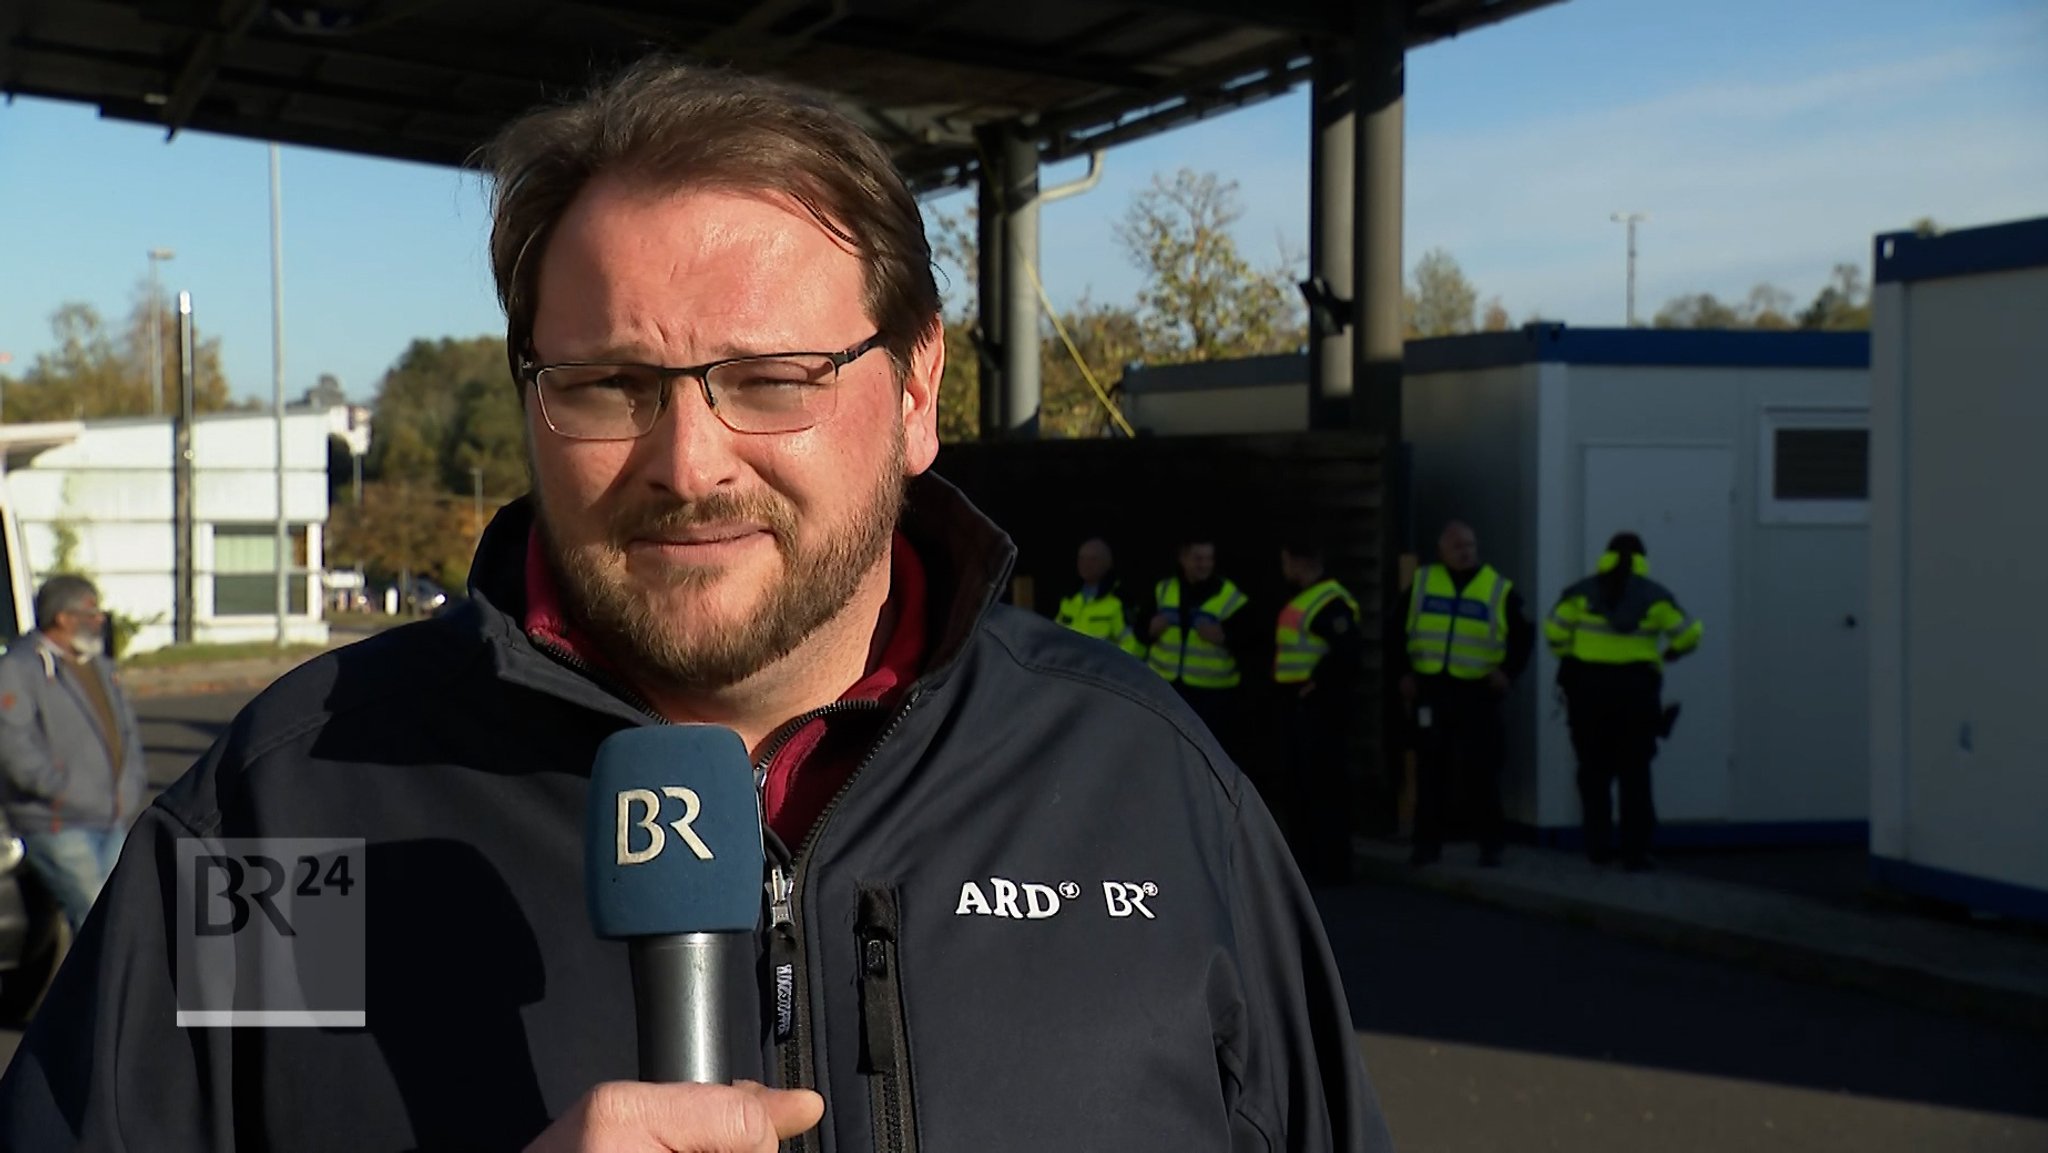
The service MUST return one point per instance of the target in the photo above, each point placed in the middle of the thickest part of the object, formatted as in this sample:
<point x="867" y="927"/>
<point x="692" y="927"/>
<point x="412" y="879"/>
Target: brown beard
<point x="815" y="585"/>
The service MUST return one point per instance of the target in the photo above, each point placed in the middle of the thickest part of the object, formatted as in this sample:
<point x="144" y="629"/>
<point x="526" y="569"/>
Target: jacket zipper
<point x="785" y="938"/>
<point x="579" y="665"/>
<point x="785" y="942"/>
<point x="885" y="1040"/>
<point x="786" y="878"/>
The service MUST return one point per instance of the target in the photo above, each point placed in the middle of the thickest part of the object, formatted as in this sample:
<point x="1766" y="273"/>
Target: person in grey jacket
<point x="71" y="768"/>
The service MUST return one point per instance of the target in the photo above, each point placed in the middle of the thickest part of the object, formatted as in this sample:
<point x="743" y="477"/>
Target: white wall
<point x="1803" y="753"/>
<point x="1798" y="750"/>
<point x="1209" y="411"/>
<point x="1960" y="569"/>
<point x="112" y="489"/>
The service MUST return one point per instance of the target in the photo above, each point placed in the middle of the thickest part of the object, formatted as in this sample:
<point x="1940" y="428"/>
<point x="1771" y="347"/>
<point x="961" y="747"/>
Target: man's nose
<point x="690" y="451"/>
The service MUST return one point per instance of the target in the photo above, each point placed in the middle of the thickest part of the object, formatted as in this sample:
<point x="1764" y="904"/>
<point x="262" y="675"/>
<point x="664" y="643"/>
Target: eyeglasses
<point x="777" y="392"/>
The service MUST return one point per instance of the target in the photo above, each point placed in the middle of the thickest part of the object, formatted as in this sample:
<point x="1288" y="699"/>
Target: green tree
<point x="489" y="434"/>
<point x="956" y="244"/>
<point x="1441" y="301"/>
<point x="1496" y="318"/>
<point x="405" y="527"/>
<point x="1202" y="300"/>
<point x="960" y="385"/>
<point x="101" y="369"/>
<point x="1106" y="337"/>
<point x="433" y="419"/>
<point x="1699" y="310"/>
<point x="1768" y="307"/>
<point x="1842" y="305"/>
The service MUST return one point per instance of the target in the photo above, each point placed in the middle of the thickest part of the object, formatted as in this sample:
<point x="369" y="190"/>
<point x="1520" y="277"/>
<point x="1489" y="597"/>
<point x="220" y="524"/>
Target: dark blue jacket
<point x="1092" y="935"/>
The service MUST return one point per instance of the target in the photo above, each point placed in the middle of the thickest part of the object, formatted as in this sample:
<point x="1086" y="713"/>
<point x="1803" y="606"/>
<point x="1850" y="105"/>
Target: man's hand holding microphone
<point x="674" y="865"/>
<point x="637" y="1117"/>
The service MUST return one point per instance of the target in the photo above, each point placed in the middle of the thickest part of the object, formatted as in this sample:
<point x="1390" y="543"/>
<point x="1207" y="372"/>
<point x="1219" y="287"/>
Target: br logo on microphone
<point x="271" y="932"/>
<point x="672" y="838"/>
<point x="648" y="805"/>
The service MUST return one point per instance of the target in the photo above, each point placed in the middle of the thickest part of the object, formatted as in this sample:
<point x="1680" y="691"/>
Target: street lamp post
<point x="277" y="382"/>
<point x="1631" y="219"/>
<point x="156" y="329"/>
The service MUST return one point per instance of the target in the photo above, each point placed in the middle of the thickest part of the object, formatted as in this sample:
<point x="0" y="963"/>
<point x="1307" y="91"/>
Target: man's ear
<point x="921" y="399"/>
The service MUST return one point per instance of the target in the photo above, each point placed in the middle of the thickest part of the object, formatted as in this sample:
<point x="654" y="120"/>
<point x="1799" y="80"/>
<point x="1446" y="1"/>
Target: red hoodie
<point x="809" y="768"/>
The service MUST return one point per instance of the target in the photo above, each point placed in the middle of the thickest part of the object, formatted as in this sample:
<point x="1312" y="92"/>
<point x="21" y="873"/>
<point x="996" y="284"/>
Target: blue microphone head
<point x="672" y="836"/>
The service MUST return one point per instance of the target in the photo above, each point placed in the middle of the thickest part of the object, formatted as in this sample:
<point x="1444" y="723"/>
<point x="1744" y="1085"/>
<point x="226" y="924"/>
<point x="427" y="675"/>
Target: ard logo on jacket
<point x="1031" y="901"/>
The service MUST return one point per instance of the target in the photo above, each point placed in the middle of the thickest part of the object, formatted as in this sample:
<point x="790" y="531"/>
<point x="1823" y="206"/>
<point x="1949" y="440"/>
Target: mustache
<point x="719" y="508"/>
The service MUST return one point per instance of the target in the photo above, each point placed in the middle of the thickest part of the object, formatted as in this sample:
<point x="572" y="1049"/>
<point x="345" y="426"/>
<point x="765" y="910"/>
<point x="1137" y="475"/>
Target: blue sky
<point x="1767" y="139"/>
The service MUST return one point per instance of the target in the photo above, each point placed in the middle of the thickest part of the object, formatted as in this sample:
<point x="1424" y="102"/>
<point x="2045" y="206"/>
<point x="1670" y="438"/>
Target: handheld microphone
<point x="673" y="861"/>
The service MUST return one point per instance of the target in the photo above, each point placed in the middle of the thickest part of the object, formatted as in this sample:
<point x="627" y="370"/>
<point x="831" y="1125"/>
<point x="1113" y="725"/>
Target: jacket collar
<point x="967" y="561"/>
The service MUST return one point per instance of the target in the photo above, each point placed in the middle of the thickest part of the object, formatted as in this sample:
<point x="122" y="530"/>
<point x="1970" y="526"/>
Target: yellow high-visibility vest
<point x="1180" y="653"/>
<point x="1463" y="632"/>
<point x="1297" y="649"/>
<point x="1576" y="631"/>
<point x="1101" y="617"/>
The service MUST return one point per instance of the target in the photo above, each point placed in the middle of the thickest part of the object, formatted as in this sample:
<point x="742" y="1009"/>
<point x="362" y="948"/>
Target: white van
<point x="32" y="931"/>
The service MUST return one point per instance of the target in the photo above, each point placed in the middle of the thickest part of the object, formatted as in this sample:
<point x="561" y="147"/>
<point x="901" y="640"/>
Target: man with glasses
<point x="71" y="761"/>
<point x="1017" y="898"/>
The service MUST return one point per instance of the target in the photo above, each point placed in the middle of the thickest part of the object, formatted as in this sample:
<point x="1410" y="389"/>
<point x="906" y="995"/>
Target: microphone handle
<point x="695" y="1007"/>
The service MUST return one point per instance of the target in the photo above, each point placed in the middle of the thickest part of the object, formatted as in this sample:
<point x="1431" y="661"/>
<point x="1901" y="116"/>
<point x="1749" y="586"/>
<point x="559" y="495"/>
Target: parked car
<point x="33" y="935"/>
<point x="427" y="596"/>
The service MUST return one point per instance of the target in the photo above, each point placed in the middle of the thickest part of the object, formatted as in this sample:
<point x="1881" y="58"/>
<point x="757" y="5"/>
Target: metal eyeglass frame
<point x="529" y="373"/>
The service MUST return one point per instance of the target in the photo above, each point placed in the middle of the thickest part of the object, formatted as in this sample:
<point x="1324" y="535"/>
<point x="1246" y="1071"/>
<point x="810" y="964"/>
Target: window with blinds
<point x="1821" y="464"/>
<point x="1814" y="466"/>
<point x="245" y="569"/>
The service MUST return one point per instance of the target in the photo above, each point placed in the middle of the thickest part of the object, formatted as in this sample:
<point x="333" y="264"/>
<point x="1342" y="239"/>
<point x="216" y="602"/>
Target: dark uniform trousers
<point x="1458" y="754"/>
<point x="1615" y="712"/>
<point x="1222" y="711"/>
<point x="1317" y="790"/>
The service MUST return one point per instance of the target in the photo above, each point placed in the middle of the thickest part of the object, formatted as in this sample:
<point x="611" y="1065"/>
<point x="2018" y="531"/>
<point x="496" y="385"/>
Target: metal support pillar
<point x="989" y="245"/>
<point x="1379" y="85"/>
<point x="185" y="535"/>
<point x="1332" y="177"/>
<point x="1021" y="345"/>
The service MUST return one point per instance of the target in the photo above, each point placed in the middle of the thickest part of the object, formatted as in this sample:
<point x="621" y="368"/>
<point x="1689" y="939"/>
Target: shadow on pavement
<point x="1432" y="966"/>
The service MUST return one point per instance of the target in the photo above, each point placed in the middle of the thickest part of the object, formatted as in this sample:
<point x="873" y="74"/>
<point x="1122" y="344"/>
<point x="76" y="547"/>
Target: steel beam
<point x="890" y="39"/>
<point x="1180" y="99"/>
<point x="1425" y="22"/>
<point x="369" y="141"/>
<point x="201" y="63"/>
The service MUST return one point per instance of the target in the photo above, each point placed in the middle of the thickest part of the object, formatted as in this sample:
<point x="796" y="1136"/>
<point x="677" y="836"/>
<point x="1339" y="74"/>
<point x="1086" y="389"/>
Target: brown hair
<point x="669" y="121"/>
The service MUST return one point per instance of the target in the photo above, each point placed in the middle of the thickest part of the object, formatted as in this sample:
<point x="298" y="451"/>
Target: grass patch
<point x="174" y="656"/>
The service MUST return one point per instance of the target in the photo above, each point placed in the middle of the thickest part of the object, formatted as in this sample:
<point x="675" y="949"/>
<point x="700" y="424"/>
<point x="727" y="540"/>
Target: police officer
<point x="1468" y="637"/>
<point x="1316" y="662"/>
<point x="1613" y="632"/>
<point x="1096" y="608"/>
<point x="1198" y="637"/>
